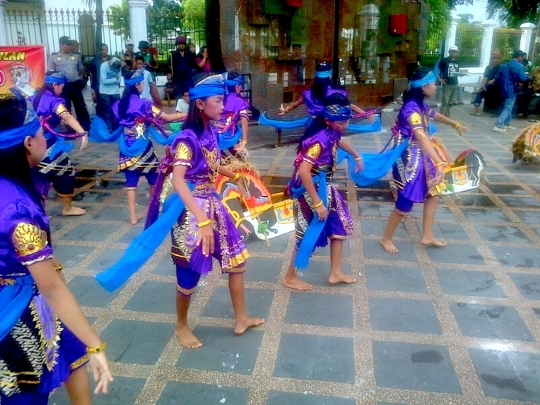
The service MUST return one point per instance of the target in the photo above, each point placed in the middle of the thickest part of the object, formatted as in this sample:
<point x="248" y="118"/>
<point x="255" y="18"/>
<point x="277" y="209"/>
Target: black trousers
<point x="104" y="109"/>
<point x="73" y="94"/>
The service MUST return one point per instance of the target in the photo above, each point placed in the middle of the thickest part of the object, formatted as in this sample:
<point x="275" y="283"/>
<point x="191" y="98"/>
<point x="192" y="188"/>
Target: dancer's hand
<point x="102" y="374"/>
<point x="440" y="174"/>
<point x="359" y="166"/>
<point x="84" y="143"/>
<point x="321" y="212"/>
<point x="462" y="128"/>
<point x="371" y="117"/>
<point x="282" y="110"/>
<point x="206" y="237"/>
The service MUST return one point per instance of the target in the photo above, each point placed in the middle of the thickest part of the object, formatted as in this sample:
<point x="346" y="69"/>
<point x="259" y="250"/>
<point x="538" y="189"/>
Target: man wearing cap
<point x="109" y="90"/>
<point x="128" y="58"/>
<point x="71" y="65"/>
<point x="182" y="63"/>
<point x="488" y="89"/>
<point x="150" y="62"/>
<point x="448" y="70"/>
<point x="95" y="68"/>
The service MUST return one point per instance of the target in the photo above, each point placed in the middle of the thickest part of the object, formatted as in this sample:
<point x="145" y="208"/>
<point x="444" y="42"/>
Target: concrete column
<point x="526" y="37"/>
<point x="489" y="27"/>
<point x="3" y="23"/>
<point x="137" y="25"/>
<point x="451" y="35"/>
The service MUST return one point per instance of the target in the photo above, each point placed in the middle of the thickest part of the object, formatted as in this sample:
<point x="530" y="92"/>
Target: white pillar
<point x="3" y="23"/>
<point x="451" y="35"/>
<point x="137" y="26"/>
<point x="526" y="37"/>
<point x="489" y="26"/>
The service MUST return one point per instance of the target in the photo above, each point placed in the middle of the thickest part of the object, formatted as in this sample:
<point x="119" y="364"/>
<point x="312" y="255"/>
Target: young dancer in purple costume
<point x="317" y="157"/>
<point x="45" y="339"/>
<point x="205" y="228"/>
<point x="418" y="173"/>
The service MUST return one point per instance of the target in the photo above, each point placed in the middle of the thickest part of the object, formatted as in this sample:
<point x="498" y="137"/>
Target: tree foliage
<point x="514" y="12"/>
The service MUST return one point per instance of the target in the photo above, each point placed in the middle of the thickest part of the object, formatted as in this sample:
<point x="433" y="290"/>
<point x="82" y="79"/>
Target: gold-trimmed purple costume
<point x="201" y="156"/>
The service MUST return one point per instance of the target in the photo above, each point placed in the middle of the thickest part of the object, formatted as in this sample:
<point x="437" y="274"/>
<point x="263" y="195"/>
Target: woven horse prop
<point x="527" y="145"/>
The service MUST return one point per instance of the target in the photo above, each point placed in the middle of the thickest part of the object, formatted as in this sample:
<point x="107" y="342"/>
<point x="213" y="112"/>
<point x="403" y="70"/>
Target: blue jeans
<point x="506" y="114"/>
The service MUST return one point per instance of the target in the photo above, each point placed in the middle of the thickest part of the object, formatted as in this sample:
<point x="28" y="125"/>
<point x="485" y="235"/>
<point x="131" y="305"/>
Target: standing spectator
<point x="182" y="105"/>
<point x="191" y="47"/>
<point x="202" y="61"/>
<point x="449" y="67"/>
<point x="182" y="63"/>
<point x="150" y="62"/>
<point x="150" y="91"/>
<point x="510" y="74"/>
<point x="488" y="85"/>
<point x="95" y="69"/>
<point x="128" y="58"/>
<point x="71" y="65"/>
<point x="109" y="90"/>
<point x="169" y="89"/>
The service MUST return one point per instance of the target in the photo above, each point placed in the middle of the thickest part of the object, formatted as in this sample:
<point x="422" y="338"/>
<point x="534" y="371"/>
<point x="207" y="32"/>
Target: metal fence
<point x="469" y="41"/>
<point x="38" y="26"/>
<point x="506" y="41"/>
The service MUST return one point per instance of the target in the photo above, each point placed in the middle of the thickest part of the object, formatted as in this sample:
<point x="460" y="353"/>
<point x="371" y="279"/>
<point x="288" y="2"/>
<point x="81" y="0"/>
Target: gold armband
<point x="318" y="204"/>
<point x="457" y="125"/>
<point x="204" y="223"/>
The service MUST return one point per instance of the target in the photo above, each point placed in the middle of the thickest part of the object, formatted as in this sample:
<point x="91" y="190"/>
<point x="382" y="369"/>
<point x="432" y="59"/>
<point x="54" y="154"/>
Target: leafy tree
<point x="119" y="19"/>
<point x="514" y="12"/>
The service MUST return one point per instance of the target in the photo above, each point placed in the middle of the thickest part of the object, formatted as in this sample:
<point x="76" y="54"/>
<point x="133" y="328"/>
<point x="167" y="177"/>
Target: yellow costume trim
<point x="416" y="119"/>
<point x="61" y="109"/>
<point x="28" y="239"/>
<point x="185" y="291"/>
<point x="183" y="152"/>
<point x="314" y="151"/>
<point x="79" y="362"/>
<point x="156" y="111"/>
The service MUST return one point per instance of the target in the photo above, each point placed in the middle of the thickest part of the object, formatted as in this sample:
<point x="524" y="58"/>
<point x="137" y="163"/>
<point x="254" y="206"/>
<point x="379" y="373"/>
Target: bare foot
<point x="389" y="246"/>
<point x="341" y="278"/>
<point x="134" y="219"/>
<point x="73" y="211"/>
<point x="187" y="338"/>
<point x="432" y="242"/>
<point x="295" y="283"/>
<point x="243" y="325"/>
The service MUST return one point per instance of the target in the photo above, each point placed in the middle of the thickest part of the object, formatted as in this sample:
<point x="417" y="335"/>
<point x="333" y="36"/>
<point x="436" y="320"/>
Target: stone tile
<point x="528" y="217"/>
<point x="89" y="293"/>
<point x="123" y="390"/>
<point x="277" y="245"/>
<point x="375" y="210"/>
<point x="496" y="233"/>
<point x="311" y="357"/>
<point x="508" y="374"/>
<point x="325" y="251"/>
<point x="92" y="196"/>
<point x="132" y="233"/>
<point x="179" y="393"/>
<point x="165" y="267"/>
<point x="403" y="315"/>
<point x="506" y="189"/>
<point x="485" y="215"/>
<point x="262" y="269"/>
<point x="453" y="253"/>
<point x="93" y="232"/>
<point x="443" y="213"/>
<point x="106" y="259"/>
<point x="490" y="321"/>
<point x="155" y="297"/>
<point x="445" y="230"/>
<point x="70" y="256"/>
<point x="136" y="341"/>
<point x="517" y="256"/>
<point x="394" y="278"/>
<point x="378" y="195"/>
<point x="521" y="202"/>
<point x="258" y="303"/>
<point x="374" y="250"/>
<point x="376" y="227"/>
<point x="470" y="283"/>
<point x="223" y="350"/>
<point x="475" y="200"/>
<point x="112" y="214"/>
<point x="320" y="309"/>
<point x="282" y="398"/>
<point x="528" y="285"/>
<point x="414" y="367"/>
<point x="317" y="273"/>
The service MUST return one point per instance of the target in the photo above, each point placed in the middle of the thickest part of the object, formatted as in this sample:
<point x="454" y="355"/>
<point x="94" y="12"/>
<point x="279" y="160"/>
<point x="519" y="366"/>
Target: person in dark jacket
<point x="448" y="68"/>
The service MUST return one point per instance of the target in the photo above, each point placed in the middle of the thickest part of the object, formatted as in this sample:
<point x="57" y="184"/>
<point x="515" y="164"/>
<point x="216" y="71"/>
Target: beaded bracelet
<point x="97" y="349"/>
<point x="358" y="158"/>
<point x="318" y="204"/>
<point x="204" y="223"/>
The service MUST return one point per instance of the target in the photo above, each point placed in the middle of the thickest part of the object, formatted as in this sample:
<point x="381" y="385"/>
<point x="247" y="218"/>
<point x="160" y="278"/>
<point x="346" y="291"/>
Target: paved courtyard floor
<point x="453" y="325"/>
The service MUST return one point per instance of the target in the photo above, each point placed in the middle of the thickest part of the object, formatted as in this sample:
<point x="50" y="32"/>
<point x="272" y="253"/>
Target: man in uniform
<point x="71" y="65"/>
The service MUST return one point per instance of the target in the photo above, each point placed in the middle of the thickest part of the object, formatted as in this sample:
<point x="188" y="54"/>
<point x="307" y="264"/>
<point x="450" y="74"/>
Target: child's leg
<point x="430" y="206"/>
<point x="186" y="283"/>
<point x="236" y="288"/>
<point x="336" y="275"/>
<point x="292" y="280"/>
<point x="78" y="387"/>
<point x="132" y="179"/>
<point x="403" y="208"/>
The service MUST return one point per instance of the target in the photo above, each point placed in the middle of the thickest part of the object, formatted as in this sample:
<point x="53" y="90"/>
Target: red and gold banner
<point x="22" y="67"/>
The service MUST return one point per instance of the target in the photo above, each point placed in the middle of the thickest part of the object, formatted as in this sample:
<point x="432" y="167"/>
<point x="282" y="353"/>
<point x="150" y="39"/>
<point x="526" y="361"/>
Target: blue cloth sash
<point x="14" y="299"/>
<point x="143" y="246"/>
<point x="279" y="124"/>
<point x="316" y="226"/>
<point x="372" y="127"/>
<point x="60" y="145"/>
<point x="228" y="140"/>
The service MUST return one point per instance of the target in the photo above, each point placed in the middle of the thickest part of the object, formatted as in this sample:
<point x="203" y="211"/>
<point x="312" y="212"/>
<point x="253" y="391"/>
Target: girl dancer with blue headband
<point x="45" y="339"/>
<point x="320" y="213"/>
<point x="137" y="156"/>
<point x="418" y="174"/>
<point x="321" y="89"/>
<point x="56" y="166"/>
<point x="205" y="227"/>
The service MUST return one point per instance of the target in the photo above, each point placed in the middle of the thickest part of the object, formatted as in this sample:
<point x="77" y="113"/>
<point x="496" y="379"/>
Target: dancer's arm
<point x="456" y="124"/>
<point x="290" y="107"/>
<point x="347" y="147"/>
<point x="72" y="122"/>
<point x="358" y="110"/>
<point x="427" y="146"/>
